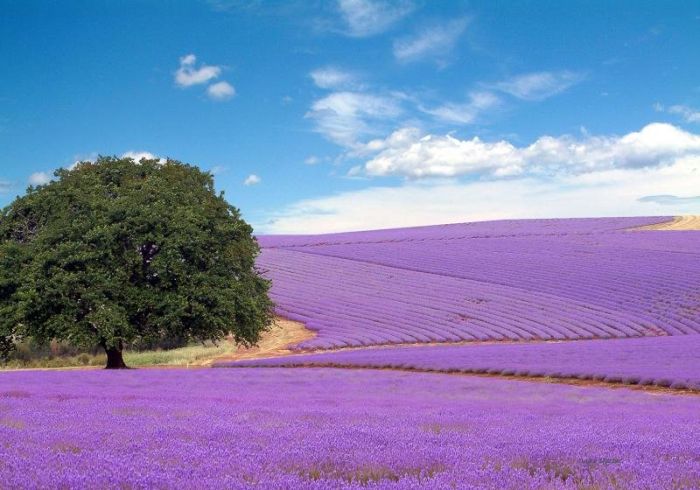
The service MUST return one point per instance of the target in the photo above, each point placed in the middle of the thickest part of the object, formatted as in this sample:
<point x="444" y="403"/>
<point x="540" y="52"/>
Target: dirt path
<point x="679" y="223"/>
<point x="274" y="343"/>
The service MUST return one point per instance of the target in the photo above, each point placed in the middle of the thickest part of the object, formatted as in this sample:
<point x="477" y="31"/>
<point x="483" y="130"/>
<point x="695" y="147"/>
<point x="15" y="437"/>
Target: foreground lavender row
<point x="537" y="279"/>
<point x="315" y="428"/>
<point x="661" y="361"/>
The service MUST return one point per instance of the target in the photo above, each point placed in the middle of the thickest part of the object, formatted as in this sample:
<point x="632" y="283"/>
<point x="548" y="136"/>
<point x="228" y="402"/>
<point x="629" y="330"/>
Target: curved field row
<point x="663" y="285"/>
<point x="548" y="279"/>
<point x="660" y="361"/>
<point x="679" y="223"/>
<point x="352" y="303"/>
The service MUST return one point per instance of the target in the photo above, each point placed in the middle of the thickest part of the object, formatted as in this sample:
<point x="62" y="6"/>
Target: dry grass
<point x="66" y="448"/>
<point x="679" y="223"/>
<point x="192" y="355"/>
<point x="12" y="424"/>
<point x="275" y="342"/>
<point x="366" y="474"/>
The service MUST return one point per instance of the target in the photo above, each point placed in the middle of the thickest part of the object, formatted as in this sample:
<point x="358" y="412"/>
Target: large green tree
<point x="116" y="251"/>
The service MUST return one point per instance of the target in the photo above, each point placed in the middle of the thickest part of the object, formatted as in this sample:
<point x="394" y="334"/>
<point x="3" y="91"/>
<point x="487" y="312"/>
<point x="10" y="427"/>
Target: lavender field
<point x="517" y="280"/>
<point x="672" y="361"/>
<point x="350" y="245"/>
<point x="225" y="428"/>
<point x="591" y="300"/>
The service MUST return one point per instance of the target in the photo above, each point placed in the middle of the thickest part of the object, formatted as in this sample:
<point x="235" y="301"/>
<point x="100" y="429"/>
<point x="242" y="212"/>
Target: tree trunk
<point x="114" y="358"/>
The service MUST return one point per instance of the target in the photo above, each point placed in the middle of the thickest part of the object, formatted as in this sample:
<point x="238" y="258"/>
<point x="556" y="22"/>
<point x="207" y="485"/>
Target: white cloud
<point x="435" y="42"/>
<point x="671" y="200"/>
<point x="615" y="192"/>
<point x="312" y="160"/>
<point x="687" y="113"/>
<point x="343" y="117"/>
<point x="5" y="186"/>
<point x="137" y="156"/>
<point x="40" y="178"/>
<point x="221" y="91"/>
<point x="188" y="75"/>
<point x="331" y="77"/>
<point x="369" y="17"/>
<point x="252" y="179"/>
<point x="465" y="113"/>
<point x="409" y="153"/>
<point x="539" y="85"/>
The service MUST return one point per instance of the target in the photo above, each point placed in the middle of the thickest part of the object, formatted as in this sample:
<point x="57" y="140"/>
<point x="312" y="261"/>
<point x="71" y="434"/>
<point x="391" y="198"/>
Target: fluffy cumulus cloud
<point x="221" y="91"/>
<point x="607" y="193"/>
<point x="407" y="152"/>
<point x="334" y="78"/>
<point x="653" y="171"/>
<point x="252" y="179"/>
<point x="410" y="153"/>
<point x="137" y="156"/>
<point x="189" y="74"/>
<point x="435" y="42"/>
<point x="345" y="116"/>
<point x="39" y="178"/>
<point x="539" y="85"/>
<point x="365" y="18"/>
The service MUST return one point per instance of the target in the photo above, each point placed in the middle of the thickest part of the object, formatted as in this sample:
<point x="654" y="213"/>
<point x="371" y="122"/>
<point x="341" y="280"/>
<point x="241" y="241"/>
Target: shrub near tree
<point x="116" y="251"/>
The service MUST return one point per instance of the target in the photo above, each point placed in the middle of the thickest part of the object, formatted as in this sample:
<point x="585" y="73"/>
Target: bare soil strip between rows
<point x="650" y="389"/>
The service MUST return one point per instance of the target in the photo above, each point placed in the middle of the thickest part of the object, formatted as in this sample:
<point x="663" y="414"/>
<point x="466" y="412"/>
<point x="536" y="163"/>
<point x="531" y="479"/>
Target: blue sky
<point x="326" y="116"/>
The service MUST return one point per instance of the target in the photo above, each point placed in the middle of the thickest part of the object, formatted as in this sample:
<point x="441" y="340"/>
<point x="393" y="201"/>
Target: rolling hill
<point x="488" y="281"/>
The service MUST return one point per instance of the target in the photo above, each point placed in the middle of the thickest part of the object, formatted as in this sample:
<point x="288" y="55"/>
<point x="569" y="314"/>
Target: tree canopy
<point x="117" y="251"/>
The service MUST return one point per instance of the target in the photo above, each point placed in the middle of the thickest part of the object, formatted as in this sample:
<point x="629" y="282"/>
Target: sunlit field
<point x="349" y="244"/>
<point x="332" y="428"/>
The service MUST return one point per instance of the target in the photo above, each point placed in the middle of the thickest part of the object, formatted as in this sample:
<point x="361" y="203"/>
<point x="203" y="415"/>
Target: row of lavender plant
<point x="661" y="361"/>
<point x="353" y="303"/>
<point x="326" y="429"/>
<point x="548" y="279"/>
<point x="476" y="229"/>
<point x="611" y="271"/>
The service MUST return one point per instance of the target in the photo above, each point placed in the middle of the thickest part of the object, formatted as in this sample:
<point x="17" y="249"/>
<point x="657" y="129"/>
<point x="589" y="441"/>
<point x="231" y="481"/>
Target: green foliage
<point x="115" y="252"/>
<point x="30" y="356"/>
